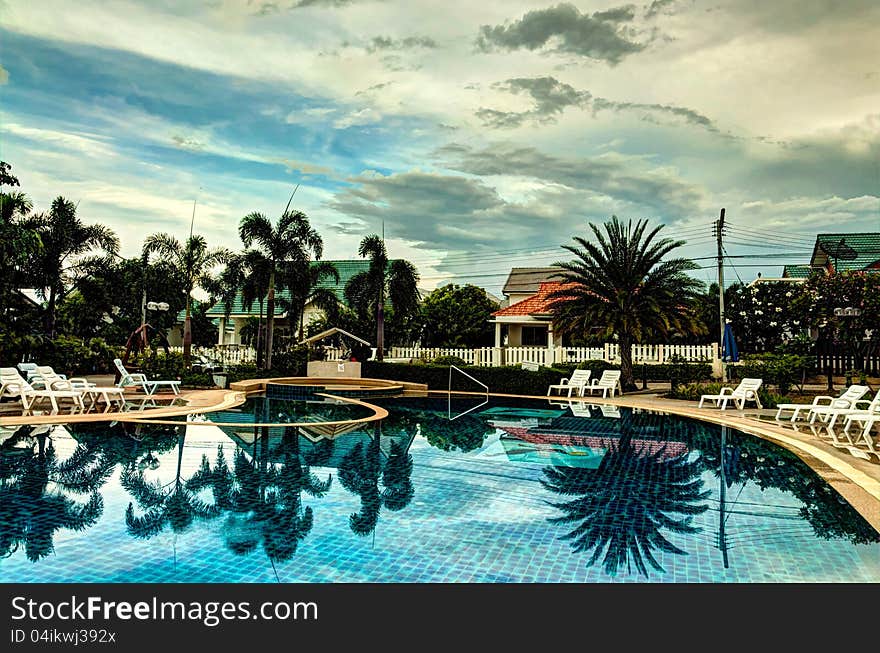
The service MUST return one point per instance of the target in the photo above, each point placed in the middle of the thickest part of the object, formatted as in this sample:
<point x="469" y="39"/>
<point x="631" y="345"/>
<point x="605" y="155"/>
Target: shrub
<point x="781" y="370"/>
<point x="71" y="355"/>
<point x="448" y="360"/>
<point x="507" y="379"/>
<point x="291" y="362"/>
<point x="681" y="371"/>
<point x="693" y="391"/>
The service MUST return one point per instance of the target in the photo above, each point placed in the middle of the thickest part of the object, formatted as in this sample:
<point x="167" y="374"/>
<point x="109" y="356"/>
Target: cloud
<point x="660" y="7"/>
<point x="299" y="4"/>
<point x="551" y="97"/>
<point x="187" y="143"/>
<point x="597" y="36"/>
<point x="4" y="75"/>
<point x="364" y="116"/>
<point x="378" y="43"/>
<point x="623" y="178"/>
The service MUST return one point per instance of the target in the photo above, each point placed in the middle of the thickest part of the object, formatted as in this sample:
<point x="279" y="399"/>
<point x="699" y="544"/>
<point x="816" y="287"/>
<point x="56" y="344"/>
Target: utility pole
<point x="719" y="235"/>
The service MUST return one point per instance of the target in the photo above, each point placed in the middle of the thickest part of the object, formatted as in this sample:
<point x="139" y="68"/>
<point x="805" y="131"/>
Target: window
<point x="534" y="336"/>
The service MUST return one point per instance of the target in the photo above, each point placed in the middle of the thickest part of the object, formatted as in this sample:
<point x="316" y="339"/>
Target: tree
<point x="18" y="244"/>
<point x="856" y="335"/>
<point x="458" y="316"/>
<point x="291" y="242"/>
<point x="303" y="283"/>
<point x="397" y="282"/>
<point x="65" y="240"/>
<point x="246" y="273"/>
<point x="622" y="284"/>
<point x="194" y="263"/>
<point x="763" y="316"/>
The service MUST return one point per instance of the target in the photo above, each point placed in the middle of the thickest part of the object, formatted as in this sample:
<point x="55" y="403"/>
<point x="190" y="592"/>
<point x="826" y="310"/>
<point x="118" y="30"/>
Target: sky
<point x="482" y="136"/>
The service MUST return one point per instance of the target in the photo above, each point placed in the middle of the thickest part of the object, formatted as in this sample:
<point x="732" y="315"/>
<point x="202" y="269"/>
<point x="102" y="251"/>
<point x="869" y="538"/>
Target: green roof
<point x="858" y="251"/>
<point x="346" y="270"/>
<point x="796" y="271"/>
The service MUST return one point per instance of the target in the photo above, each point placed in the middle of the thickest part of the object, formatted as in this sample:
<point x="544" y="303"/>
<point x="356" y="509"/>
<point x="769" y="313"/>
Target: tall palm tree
<point x="194" y="262"/>
<point x="65" y="239"/>
<point x="246" y="273"/>
<point x="292" y="241"/>
<point x="18" y="244"/>
<point x="397" y="283"/>
<point x="303" y="283"/>
<point x="623" y="284"/>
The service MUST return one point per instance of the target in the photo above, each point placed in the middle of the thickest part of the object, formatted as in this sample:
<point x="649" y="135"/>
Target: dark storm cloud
<point x="615" y="177"/>
<point x="551" y="97"/>
<point x="598" y="36"/>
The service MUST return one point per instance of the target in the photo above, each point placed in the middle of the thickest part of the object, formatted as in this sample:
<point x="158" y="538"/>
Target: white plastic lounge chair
<point x="839" y="407"/>
<point x="149" y="387"/>
<point x="866" y="419"/>
<point x="844" y="401"/>
<point x="13" y="384"/>
<point x="577" y="381"/>
<point x="608" y="382"/>
<point x="109" y="395"/>
<point x="747" y="390"/>
<point x="27" y="369"/>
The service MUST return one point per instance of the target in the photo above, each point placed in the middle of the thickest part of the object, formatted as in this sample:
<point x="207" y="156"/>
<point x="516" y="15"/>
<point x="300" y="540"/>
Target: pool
<point x="511" y="491"/>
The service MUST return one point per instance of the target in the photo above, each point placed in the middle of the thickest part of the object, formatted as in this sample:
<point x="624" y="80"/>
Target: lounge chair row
<point x="580" y="381"/>
<point x="42" y="384"/>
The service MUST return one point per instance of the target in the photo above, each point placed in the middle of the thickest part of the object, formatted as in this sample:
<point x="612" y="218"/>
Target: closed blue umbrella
<point x="729" y="352"/>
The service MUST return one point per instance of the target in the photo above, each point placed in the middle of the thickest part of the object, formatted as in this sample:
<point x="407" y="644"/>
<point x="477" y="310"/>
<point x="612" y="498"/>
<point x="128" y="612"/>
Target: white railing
<point x="610" y="352"/>
<point x="226" y="354"/>
<point x="480" y="356"/>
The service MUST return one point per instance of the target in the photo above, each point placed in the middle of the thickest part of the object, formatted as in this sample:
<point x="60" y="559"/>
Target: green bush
<point x="681" y="371"/>
<point x="508" y="379"/>
<point x="693" y="391"/>
<point x="448" y="360"/>
<point x="163" y="366"/>
<point x="781" y="370"/>
<point x="69" y="355"/>
<point x="292" y="361"/>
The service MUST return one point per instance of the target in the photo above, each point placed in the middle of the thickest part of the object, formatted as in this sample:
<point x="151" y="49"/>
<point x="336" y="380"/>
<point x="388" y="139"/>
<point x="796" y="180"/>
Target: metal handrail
<point x="449" y="393"/>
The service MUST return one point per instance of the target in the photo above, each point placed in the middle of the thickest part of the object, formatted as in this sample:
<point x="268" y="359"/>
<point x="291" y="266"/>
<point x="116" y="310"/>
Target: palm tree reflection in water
<point x="623" y="506"/>
<point x="359" y="473"/>
<point x="30" y="512"/>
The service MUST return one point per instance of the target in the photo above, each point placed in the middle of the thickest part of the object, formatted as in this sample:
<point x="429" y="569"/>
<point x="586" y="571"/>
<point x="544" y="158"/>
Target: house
<point x="230" y="326"/>
<point x="528" y="322"/>
<point x="523" y="283"/>
<point x="841" y="252"/>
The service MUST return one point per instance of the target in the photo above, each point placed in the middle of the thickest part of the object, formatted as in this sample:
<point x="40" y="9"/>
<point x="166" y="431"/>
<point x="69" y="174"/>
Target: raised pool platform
<point x="299" y="387"/>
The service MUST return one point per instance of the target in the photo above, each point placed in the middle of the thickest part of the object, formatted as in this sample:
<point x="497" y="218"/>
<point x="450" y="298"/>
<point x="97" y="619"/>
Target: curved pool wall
<point x="513" y="491"/>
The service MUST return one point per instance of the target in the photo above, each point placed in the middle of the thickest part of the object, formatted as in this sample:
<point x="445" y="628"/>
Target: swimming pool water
<point x="515" y="491"/>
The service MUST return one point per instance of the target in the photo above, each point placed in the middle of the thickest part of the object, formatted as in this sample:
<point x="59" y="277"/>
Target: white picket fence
<point x="610" y="352"/>
<point x="226" y="354"/>
<point x="494" y="357"/>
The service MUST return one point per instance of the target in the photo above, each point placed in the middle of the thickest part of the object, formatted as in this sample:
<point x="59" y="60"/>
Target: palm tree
<point x="246" y="273"/>
<point x="622" y="506"/>
<point x="398" y="282"/>
<point x="622" y="284"/>
<point x="194" y="262"/>
<point x="65" y="238"/>
<point x="17" y="242"/>
<point x="292" y="241"/>
<point x="303" y="285"/>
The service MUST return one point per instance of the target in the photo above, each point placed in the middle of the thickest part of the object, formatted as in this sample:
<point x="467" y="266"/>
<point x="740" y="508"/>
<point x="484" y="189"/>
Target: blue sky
<point x="482" y="136"/>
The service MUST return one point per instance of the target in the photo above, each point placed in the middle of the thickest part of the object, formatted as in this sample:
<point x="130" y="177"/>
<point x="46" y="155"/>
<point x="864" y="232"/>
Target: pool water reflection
<point x="526" y="491"/>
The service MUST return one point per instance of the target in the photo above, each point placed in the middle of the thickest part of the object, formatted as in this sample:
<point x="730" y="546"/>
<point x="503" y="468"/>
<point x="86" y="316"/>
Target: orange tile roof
<point x="537" y="304"/>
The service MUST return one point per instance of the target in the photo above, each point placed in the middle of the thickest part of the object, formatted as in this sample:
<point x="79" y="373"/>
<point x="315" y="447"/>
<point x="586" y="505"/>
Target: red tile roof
<point x="537" y="304"/>
<point x="670" y="448"/>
